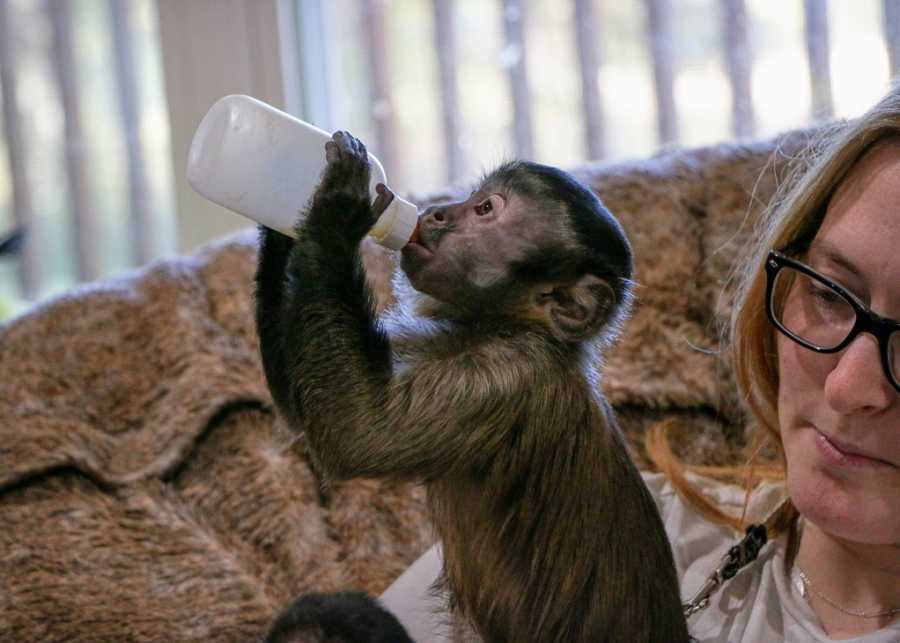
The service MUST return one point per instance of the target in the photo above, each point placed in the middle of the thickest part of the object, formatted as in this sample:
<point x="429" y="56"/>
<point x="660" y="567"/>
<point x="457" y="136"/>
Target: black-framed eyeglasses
<point x="822" y="315"/>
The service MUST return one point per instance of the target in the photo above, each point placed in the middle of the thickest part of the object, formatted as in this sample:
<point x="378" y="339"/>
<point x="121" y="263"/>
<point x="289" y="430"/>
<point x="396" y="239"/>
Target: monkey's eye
<point x="484" y="207"/>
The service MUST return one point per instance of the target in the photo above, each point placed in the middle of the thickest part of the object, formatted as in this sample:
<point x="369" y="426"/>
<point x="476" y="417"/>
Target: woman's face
<point x="839" y="404"/>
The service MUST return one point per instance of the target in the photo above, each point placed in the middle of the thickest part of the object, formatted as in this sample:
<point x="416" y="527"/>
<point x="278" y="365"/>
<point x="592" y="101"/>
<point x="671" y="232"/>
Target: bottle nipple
<point x="415" y="238"/>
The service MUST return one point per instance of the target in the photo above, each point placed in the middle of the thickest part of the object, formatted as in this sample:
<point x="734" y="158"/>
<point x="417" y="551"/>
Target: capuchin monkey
<point x="483" y="384"/>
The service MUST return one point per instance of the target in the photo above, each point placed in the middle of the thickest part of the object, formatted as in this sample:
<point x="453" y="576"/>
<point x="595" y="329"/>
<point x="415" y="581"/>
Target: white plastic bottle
<point x="266" y="164"/>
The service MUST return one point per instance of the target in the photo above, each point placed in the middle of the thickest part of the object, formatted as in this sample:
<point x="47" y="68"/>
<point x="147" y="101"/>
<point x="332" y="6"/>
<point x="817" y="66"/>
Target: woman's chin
<point x="845" y="509"/>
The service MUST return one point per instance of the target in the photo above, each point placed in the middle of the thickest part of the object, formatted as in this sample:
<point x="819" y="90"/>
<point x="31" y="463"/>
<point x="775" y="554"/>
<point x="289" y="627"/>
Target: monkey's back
<point x="554" y="536"/>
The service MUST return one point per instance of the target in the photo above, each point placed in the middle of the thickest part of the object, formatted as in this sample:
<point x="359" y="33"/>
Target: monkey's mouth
<point x="416" y="238"/>
<point x="416" y="249"/>
<point x="419" y="244"/>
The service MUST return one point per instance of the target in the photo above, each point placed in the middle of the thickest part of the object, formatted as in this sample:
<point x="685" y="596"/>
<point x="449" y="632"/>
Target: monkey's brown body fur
<point x="548" y="531"/>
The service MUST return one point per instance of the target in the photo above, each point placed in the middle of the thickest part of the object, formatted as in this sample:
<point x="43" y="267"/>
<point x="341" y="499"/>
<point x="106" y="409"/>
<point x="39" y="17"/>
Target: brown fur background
<point x="148" y="493"/>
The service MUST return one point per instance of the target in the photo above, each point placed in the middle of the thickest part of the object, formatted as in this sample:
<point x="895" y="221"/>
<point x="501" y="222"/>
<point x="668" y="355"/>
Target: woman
<point x="817" y="355"/>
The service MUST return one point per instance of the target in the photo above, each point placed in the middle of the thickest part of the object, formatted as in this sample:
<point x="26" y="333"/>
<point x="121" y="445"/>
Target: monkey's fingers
<point x="332" y="153"/>
<point x="349" y="145"/>
<point x="350" y="152"/>
<point x="383" y="200"/>
<point x="358" y="147"/>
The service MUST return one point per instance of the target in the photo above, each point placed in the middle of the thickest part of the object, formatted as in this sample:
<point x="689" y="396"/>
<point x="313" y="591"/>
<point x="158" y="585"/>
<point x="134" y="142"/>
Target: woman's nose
<point x="857" y="383"/>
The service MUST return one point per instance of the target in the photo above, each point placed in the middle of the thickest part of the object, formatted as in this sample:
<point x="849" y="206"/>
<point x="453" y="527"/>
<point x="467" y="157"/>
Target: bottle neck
<point x="396" y="225"/>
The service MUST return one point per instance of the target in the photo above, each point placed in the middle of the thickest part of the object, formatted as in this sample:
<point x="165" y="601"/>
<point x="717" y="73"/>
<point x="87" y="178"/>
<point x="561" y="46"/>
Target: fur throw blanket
<point x="149" y="493"/>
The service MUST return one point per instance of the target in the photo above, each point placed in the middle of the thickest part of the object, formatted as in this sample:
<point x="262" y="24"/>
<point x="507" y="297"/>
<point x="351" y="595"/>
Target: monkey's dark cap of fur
<point x="597" y="229"/>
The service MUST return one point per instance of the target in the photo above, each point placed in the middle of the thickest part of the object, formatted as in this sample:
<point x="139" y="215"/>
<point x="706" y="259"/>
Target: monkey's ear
<point x="576" y="311"/>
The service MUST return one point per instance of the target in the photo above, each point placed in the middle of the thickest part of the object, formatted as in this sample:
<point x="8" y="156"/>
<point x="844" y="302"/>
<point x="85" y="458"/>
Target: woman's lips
<point x="843" y="456"/>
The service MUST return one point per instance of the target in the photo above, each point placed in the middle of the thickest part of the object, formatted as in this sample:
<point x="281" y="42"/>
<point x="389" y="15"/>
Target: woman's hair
<point x="790" y="222"/>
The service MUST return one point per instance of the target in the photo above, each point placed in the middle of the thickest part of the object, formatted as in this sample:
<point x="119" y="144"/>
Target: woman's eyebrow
<point x="829" y="251"/>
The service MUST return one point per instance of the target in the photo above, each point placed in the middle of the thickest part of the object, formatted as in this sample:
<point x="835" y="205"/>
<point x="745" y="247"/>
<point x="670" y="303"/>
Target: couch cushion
<point x="151" y="494"/>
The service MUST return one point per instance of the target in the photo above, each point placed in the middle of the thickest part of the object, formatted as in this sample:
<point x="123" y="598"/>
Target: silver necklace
<point x="807" y="585"/>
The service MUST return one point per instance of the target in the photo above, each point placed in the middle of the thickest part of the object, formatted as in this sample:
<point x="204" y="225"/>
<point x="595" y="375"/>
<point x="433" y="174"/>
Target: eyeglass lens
<point x="816" y="314"/>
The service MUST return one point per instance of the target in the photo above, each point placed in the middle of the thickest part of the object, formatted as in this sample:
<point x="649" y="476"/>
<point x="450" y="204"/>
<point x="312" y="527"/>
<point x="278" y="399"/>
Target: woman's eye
<point x="825" y="295"/>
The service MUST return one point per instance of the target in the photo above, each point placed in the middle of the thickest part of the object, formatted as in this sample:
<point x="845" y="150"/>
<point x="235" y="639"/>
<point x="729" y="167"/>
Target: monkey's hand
<point x="382" y="201"/>
<point x="341" y="205"/>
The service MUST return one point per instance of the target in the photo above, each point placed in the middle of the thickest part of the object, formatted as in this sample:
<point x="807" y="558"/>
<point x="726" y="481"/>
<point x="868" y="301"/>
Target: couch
<point x="149" y="492"/>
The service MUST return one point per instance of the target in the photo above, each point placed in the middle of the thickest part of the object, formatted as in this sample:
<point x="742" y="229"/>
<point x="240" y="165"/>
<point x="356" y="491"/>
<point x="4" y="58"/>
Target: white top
<point x="760" y="604"/>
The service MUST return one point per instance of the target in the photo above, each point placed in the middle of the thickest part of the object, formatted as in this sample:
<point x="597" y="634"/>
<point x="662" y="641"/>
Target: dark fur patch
<point x="344" y="617"/>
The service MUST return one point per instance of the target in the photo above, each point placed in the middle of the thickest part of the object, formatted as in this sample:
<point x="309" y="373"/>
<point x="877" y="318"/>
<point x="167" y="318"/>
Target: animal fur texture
<point x="146" y="491"/>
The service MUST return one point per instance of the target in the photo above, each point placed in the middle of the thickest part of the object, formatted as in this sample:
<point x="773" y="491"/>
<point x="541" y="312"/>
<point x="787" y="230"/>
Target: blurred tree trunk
<point x="587" y="39"/>
<point x="85" y="226"/>
<point x="659" y="32"/>
<point x="739" y="60"/>
<point x="143" y="240"/>
<point x="29" y="263"/>
<point x="817" y="49"/>
<point x="515" y="62"/>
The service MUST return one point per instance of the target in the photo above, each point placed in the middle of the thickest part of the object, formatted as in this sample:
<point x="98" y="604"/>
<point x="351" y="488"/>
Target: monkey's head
<point x="531" y="243"/>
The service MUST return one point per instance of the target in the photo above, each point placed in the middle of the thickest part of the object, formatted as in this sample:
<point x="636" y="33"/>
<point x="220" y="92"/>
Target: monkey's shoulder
<point x="516" y="352"/>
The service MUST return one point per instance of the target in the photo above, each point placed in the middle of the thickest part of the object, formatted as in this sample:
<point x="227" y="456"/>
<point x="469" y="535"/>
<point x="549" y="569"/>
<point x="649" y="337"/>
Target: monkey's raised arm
<point x="328" y="362"/>
<point x="271" y="281"/>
